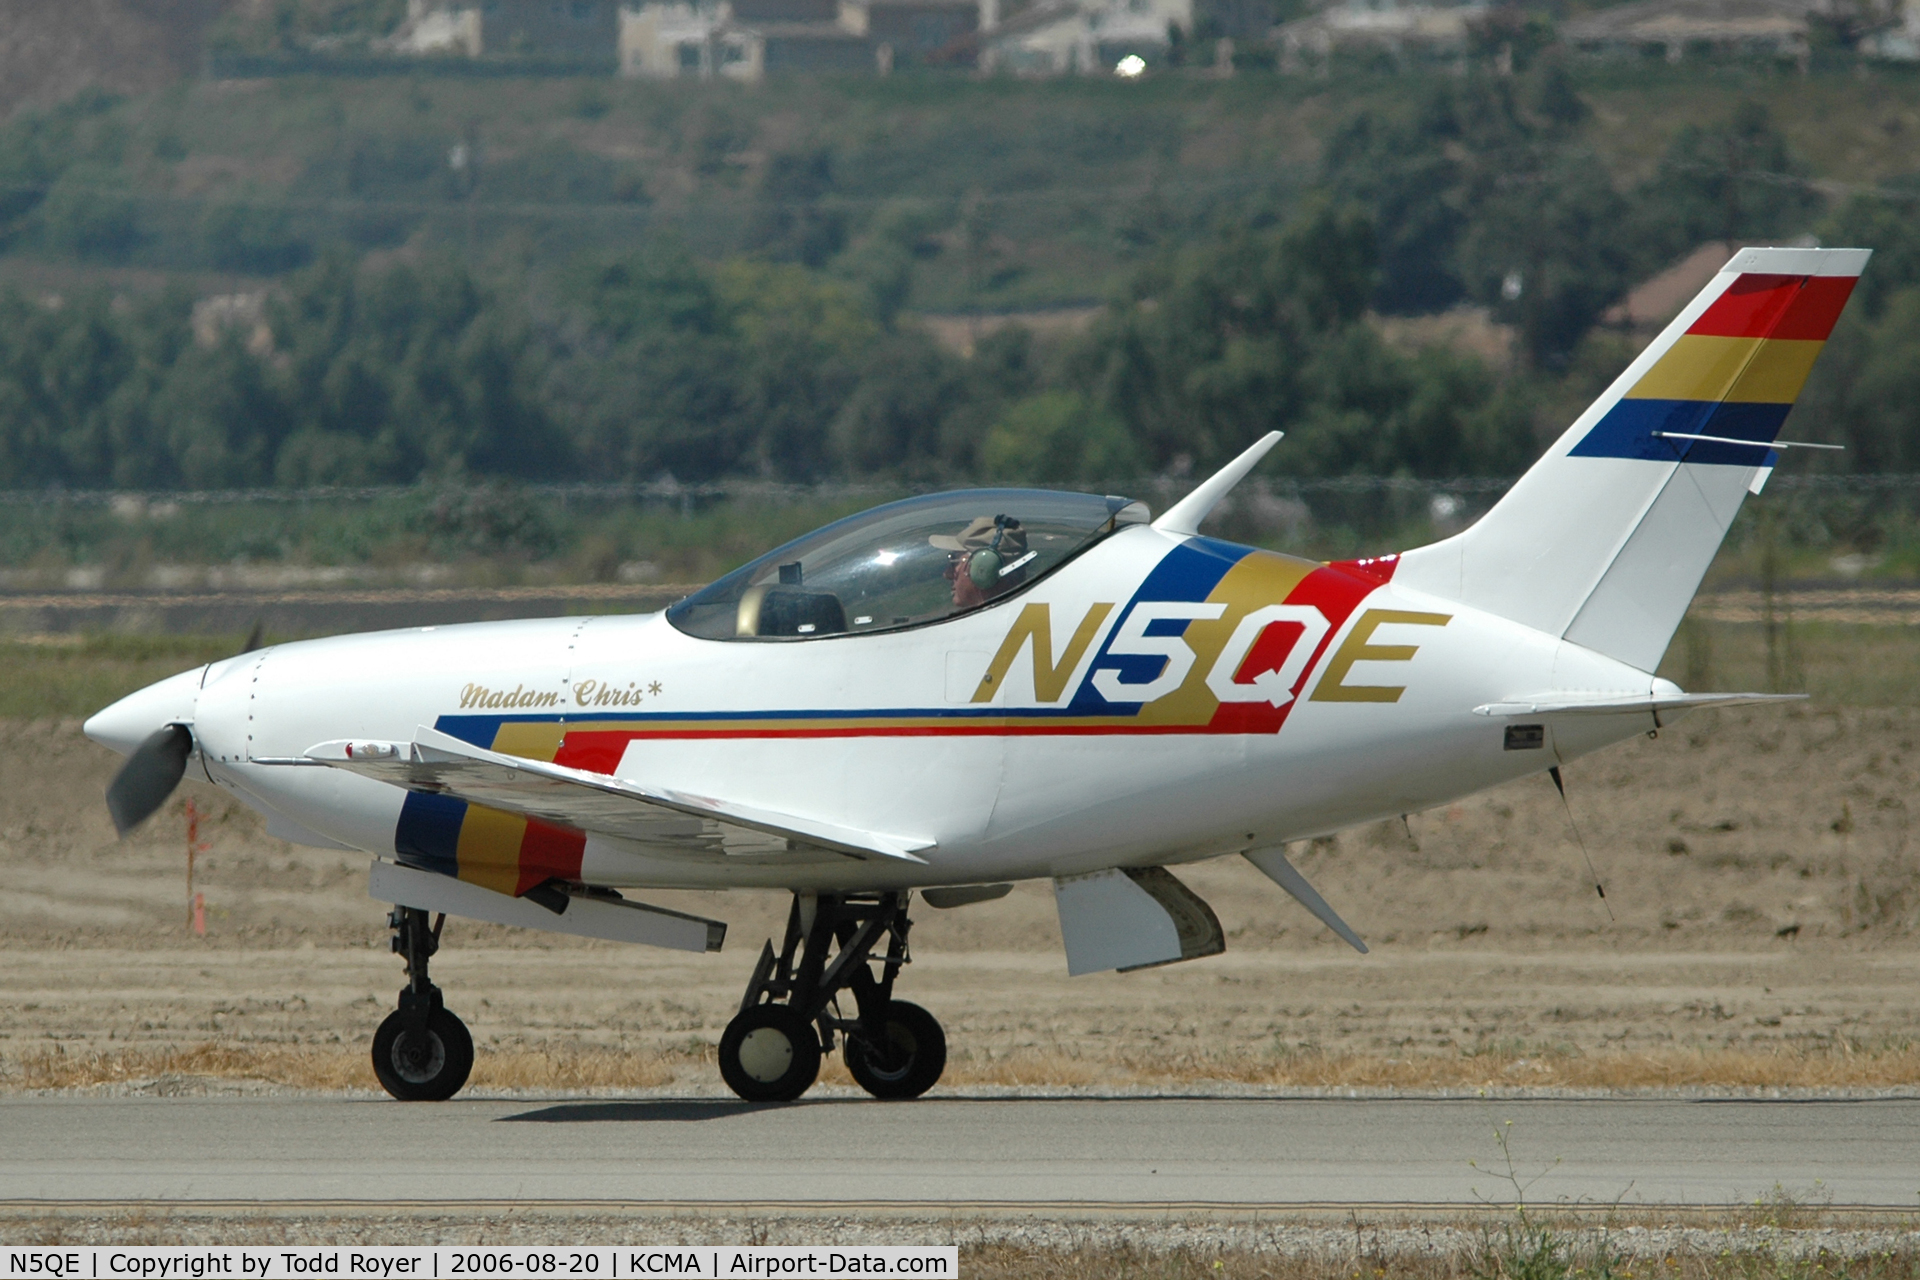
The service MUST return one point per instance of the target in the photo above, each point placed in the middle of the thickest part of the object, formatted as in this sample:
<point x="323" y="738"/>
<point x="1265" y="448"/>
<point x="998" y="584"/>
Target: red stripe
<point x="1378" y="569"/>
<point x="1801" y="308"/>
<point x="1813" y="313"/>
<point x="1336" y="590"/>
<point x="594" y="752"/>
<point x="547" y="852"/>
<point x="1122" y="725"/>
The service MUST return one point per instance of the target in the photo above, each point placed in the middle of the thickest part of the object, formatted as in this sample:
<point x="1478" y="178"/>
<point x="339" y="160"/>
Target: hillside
<point x="51" y="52"/>
<point x="1003" y="193"/>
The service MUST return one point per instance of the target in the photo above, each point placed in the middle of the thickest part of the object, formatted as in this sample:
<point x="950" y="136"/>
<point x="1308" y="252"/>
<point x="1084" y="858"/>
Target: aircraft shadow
<point x="661" y="1110"/>
<point x="697" y="1109"/>
<point x="693" y="1110"/>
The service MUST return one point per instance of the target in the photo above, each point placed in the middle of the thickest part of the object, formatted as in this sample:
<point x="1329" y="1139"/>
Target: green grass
<point x="487" y="535"/>
<point x="77" y="679"/>
<point x="1836" y="664"/>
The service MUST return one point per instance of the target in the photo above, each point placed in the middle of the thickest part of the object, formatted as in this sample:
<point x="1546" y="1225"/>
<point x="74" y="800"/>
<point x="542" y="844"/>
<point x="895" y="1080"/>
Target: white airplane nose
<point x="130" y="721"/>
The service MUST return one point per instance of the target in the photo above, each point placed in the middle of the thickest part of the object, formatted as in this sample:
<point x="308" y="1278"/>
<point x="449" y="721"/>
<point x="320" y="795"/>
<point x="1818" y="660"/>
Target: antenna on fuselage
<point x="1183" y="518"/>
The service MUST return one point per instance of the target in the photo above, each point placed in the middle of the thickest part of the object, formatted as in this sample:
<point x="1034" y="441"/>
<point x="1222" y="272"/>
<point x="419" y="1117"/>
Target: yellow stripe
<point x="1743" y="370"/>
<point x="489" y="848"/>
<point x="530" y="740"/>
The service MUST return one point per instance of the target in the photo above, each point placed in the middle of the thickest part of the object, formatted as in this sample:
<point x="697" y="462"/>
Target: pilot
<point x="988" y="558"/>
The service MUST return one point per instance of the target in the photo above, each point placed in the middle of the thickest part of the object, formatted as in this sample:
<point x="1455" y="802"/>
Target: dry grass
<point x="1013" y="1262"/>
<point x="346" y="1067"/>
<point x="1843" y="1066"/>
<point x="329" y="1068"/>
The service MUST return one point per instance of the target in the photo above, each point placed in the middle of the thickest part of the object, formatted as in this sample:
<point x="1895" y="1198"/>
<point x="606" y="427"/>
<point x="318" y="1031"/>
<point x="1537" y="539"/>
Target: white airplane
<point x="955" y="692"/>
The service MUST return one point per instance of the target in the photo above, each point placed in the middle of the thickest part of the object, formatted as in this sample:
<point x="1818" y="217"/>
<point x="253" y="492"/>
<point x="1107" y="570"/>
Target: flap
<point x="437" y="763"/>
<point x="1133" y="918"/>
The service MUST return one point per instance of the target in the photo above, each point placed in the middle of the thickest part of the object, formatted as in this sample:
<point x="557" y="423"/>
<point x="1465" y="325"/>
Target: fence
<point x="1798" y="516"/>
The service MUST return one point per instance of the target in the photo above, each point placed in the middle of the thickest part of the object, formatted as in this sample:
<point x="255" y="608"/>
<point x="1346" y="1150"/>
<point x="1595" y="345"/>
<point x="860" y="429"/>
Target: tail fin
<point x="1605" y="540"/>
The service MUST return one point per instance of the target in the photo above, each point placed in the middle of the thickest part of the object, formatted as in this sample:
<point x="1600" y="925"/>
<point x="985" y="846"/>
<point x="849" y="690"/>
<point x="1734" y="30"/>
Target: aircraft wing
<point x="441" y="764"/>
<point x="1577" y="703"/>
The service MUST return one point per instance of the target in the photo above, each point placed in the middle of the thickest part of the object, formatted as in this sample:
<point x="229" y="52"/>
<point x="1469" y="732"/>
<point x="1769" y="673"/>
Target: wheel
<point x="909" y="1063"/>
<point x="769" y="1054"/>
<point x="422" y="1068"/>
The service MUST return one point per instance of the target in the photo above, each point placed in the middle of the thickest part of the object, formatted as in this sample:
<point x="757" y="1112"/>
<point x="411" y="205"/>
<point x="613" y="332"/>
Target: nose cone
<point x="128" y="722"/>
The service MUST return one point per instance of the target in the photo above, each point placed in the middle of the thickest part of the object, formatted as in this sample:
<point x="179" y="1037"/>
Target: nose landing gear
<point x="421" y="1053"/>
<point x="790" y="1015"/>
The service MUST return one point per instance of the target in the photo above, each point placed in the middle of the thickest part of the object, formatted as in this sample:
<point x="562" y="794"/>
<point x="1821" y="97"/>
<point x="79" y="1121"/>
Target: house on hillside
<point x="1898" y="40"/>
<point x="739" y="39"/>
<point x="751" y="39"/>
<point x="439" y="29"/>
<point x="584" y="32"/>
<point x="1086" y="37"/>
<point x="1403" y="32"/>
<point x="916" y="31"/>
<point x="1676" y="27"/>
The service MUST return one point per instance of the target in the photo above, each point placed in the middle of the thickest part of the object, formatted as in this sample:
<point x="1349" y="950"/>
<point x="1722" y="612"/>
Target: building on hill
<point x="1677" y="27"/>
<point x="741" y="40"/>
<point x="439" y="29"/>
<point x="751" y="39"/>
<point x="585" y="32"/>
<point x="670" y="41"/>
<point x="1898" y="40"/>
<point x="905" y="32"/>
<point x="1403" y="32"/>
<point x="1086" y="37"/>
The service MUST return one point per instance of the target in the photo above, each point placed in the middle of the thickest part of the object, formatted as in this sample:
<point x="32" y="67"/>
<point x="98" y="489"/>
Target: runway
<point x="1003" y="1153"/>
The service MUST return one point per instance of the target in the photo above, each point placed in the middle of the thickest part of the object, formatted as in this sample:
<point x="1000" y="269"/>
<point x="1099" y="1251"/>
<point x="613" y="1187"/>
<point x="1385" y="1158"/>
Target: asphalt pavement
<point x="1006" y="1152"/>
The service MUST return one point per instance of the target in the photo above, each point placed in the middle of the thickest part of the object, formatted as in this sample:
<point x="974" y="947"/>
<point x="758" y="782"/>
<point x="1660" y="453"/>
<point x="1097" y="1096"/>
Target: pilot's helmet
<point x="998" y="547"/>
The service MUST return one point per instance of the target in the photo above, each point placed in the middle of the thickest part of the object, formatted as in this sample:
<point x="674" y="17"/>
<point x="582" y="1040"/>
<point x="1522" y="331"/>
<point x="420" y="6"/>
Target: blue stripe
<point x="483" y="734"/>
<point x="1627" y="432"/>
<point x="1188" y="573"/>
<point x="428" y="834"/>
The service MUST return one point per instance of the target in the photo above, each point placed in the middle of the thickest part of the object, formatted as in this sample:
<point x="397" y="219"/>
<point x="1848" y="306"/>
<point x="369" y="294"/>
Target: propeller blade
<point x="255" y="636"/>
<point x="149" y="776"/>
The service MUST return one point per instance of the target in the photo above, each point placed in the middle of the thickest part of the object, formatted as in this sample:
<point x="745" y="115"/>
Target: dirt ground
<point x="1759" y="866"/>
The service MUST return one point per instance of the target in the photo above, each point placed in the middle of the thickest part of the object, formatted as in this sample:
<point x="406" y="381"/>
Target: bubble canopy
<point x="905" y="564"/>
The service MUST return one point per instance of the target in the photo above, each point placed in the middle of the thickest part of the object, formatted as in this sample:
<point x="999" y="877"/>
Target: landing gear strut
<point x="791" y="1013"/>
<point x="422" y="1053"/>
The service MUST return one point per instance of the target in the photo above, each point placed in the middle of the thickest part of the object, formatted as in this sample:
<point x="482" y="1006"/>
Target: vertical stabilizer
<point x="1604" y="541"/>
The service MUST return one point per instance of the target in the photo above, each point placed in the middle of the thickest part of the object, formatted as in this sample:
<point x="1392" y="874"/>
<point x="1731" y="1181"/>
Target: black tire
<point x="770" y="1054"/>
<point x="422" y="1068"/>
<point x="909" y="1063"/>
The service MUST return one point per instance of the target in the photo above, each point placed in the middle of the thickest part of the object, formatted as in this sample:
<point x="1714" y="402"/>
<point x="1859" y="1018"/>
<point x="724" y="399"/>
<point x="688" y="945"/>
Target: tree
<point x="1548" y="251"/>
<point x="1733" y="181"/>
<point x="1203" y="352"/>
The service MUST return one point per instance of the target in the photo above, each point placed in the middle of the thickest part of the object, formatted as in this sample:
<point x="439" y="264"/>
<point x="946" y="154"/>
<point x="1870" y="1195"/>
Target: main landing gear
<point x="422" y="1053"/>
<point x="791" y="1013"/>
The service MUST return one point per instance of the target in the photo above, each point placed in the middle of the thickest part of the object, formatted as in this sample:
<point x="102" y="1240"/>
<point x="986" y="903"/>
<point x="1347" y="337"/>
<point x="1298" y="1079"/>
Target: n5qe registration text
<point x="624" y="1262"/>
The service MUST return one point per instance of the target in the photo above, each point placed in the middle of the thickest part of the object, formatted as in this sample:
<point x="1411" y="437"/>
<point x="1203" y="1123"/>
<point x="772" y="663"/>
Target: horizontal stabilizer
<point x="614" y="919"/>
<point x="1274" y="865"/>
<point x="438" y="764"/>
<point x="1575" y="703"/>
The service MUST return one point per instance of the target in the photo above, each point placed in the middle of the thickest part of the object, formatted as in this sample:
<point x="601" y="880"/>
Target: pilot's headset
<point x="984" y="565"/>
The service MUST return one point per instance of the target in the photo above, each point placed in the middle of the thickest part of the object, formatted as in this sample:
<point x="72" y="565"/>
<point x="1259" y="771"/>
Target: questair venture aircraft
<point x="955" y="692"/>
